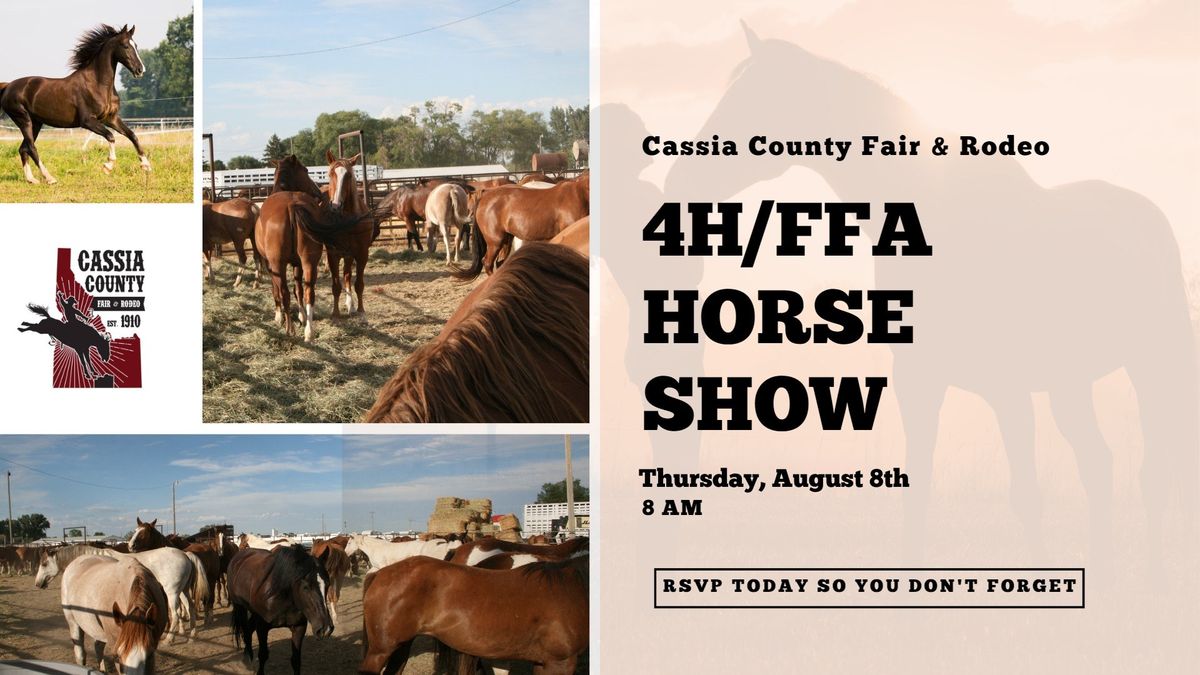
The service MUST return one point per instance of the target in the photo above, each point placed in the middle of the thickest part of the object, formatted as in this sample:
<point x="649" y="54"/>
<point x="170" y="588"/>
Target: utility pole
<point x="173" y="530"/>
<point x="570" y="492"/>
<point x="322" y="523"/>
<point x="10" y="536"/>
<point x="372" y="522"/>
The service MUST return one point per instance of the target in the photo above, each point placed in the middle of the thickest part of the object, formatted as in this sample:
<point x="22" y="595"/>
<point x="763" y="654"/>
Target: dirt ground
<point x="32" y="627"/>
<point x="254" y="372"/>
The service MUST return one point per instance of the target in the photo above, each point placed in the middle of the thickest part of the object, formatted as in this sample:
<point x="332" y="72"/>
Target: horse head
<point x="47" y="570"/>
<point x="126" y="51"/>
<point x="303" y="578"/>
<point x="104" y="347"/>
<point x="342" y="183"/>
<point x="145" y="537"/>
<point x="292" y="176"/>
<point x="138" y="627"/>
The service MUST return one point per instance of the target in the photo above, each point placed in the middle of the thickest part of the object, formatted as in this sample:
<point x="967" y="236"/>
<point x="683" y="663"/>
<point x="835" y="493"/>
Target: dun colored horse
<point x="94" y="589"/>
<point x="528" y="215"/>
<point x="515" y="350"/>
<point x="230" y="221"/>
<point x="277" y="589"/>
<point x="448" y="208"/>
<point x="74" y="333"/>
<point x="86" y="98"/>
<point x="535" y="613"/>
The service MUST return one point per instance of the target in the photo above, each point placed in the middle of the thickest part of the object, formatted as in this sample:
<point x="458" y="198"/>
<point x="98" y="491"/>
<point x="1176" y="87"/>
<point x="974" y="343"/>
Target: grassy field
<point x="81" y="180"/>
<point x="254" y="372"/>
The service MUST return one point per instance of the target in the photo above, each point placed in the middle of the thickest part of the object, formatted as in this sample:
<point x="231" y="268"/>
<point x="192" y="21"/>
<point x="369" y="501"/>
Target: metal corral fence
<point x="391" y="229"/>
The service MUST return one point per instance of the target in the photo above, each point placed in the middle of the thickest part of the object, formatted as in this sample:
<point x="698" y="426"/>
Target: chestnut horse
<point x="515" y="350"/>
<point x="294" y="227"/>
<point x="535" y="613"/>
<point x="277" y="589"/>
<point x="577" y="236"/>
<point x="527" y="214"/>
<point x="230" y="221"/>
<point x="86" y="98"/>
<point x="353" y="244"/>
<point x="337" y="566"/>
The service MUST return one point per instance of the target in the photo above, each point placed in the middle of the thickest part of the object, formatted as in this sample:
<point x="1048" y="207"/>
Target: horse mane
<point x="554" y="574"/>
<point x="527" y="316"/>
<point x="65" y="555"/>
<point x="137" y="631"/>
<point x="90" y="44"/>
<point x="291" y="564"/>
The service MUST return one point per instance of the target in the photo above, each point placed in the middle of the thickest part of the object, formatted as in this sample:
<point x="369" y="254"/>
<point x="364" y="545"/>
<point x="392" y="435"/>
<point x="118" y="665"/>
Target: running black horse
<point x="75" y="333"/>
<point x="281" y="588"/>
<point x="86" y="98"/>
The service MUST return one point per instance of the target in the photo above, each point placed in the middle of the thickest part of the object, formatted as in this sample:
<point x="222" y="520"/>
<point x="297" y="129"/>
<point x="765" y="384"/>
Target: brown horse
<point x="294" y="227"/>
<point x="210" y="562"/>
<point x="86" y="98"/>
<point x="529" y="215"/>
<point x="408" y="204"/>
<point x="577" y="236"/>
<point x="337" y="566"/>
<point x="230" y="221"/>
<point x="515" y="350"/>
<point x="351" y="245"/>
<point x="535" y="613"/>
<point x="277" y="589"/>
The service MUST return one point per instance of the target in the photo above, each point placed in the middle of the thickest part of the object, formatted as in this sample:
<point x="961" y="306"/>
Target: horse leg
<point x="360" y="267"/>
<point x="310" y="297"/>
<point x="29" y="131"/>
<point x="97" y="127"/>
<point x="564" y="667"/>
<point x="446" y="243"/>
<point x="241" y="256"/>
<point x="119" y="124"/>
<point x="919" y="399"/>
<point x="398" y="659"/>
<point x="336" y="282"/>
<point x="1014" y="412"/>
<point x="84" y="357"/>
<point x="262" y="628"/>
<point x="297" y="645"/>
<point x="357" y="287"/>
<point x="489" y="256"/>
<point x="76" y="633"/>
<point x="98" y="648"/>
<point x="1075" y="415"/>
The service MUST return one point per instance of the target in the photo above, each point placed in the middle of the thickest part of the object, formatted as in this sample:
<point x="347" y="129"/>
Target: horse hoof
<point x="107" y="168"/>
<point x="51" y="181"/>
<point x="248" y="661"/>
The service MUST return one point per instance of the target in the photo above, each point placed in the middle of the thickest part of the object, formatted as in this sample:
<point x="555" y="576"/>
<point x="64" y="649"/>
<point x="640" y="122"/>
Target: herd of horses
<point x="515" y="350"/>
<point x="484" y="599"/>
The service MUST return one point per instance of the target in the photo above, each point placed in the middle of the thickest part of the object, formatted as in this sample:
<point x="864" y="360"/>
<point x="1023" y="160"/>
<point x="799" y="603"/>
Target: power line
<point x="82" y="482"/>
<point x="364" y="44"/>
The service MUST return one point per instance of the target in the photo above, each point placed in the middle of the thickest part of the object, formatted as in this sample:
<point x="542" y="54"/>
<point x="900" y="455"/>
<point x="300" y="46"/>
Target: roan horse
<point x="277" y="589"/>
<point x="527" y="214"/>
<point x="73" y="333"/>
<point x="515" y="350"/>
<point x="86" y="98"/>
<point x="535" y="613"/>
<point x="93" y="590"/>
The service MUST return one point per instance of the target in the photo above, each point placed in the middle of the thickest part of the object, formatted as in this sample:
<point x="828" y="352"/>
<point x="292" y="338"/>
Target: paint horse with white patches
<point x="180" y="574"/>
<point x="93" y="592"/>
<point x="247" y="540"/>
<point x="383" y="553"/>
<point x="86" y="98"/>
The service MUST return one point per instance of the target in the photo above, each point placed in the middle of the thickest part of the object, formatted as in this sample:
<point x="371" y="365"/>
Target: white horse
<point x="180" y="573"/>
<point x="383" y="553"/>
<point x="447" y="207"/>
<point x="93" y="591"/>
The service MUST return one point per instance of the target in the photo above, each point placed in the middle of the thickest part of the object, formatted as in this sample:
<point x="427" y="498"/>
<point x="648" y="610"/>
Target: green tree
<point x="219" y="166"/>
<point x="74" y="532"/>
<point x="276" y="149"/>
<point x="166" y="87"/>
<point x="567" y="125"/>
<point x="245" y="162"/>
<point x="29" y="527"/>
<point x="556" y="493"/>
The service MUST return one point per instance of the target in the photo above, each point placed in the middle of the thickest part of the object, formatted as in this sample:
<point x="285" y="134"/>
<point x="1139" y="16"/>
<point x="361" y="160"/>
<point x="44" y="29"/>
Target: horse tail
<point x="200" y="588"/>
<point x="39" y="309"/>
<point x="478" y="245"/>
<point x="238" y="622"/>
<point x="462" y="212"/>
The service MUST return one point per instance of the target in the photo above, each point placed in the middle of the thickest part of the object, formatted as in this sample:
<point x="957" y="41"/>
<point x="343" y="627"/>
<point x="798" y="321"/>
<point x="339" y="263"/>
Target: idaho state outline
<point x="123" y="370"/>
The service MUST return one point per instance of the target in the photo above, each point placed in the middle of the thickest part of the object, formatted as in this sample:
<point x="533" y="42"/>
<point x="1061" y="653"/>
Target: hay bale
<point x="508" y="522"/>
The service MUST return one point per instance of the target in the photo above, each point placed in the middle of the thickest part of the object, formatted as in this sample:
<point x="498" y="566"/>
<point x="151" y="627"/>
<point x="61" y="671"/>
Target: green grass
<point x="254" y="372"/>
<point x="81" y="180"/>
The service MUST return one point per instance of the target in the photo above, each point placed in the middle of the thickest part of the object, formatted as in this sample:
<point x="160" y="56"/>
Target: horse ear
<point x="117" y="615"/>
<point x="139" y="519"/>
<point x="125" y="28"/>
<point x="154" y="523"/>
<point x="752" y="39"/>
<point x="131" y="29"/>
<point x="329" y="155"/>
<point x="354" y="159"/>
<point x="324" y="555"/>
<point x="274" y="163"/>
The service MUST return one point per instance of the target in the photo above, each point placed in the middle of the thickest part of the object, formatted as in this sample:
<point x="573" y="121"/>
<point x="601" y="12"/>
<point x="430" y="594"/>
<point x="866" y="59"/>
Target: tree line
<point x="165" y="89"/>
<point x="436" y="134"/>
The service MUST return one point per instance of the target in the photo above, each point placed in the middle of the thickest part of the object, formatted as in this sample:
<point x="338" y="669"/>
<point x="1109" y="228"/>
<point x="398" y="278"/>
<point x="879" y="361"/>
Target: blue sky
<point x="532" y="54"/>
<point x="282" y="482"/>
